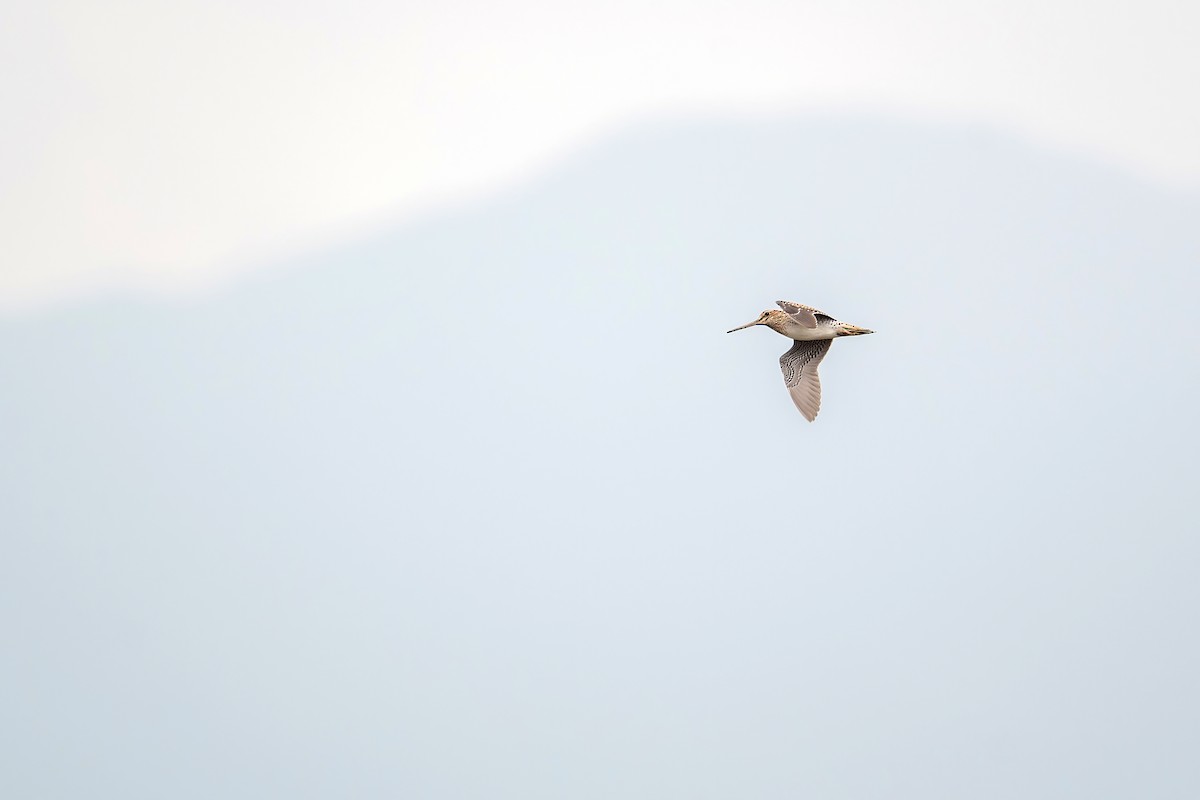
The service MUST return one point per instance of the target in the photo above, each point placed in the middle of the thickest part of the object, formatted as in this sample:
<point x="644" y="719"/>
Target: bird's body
<point x="813" y="331"/>
<point x="783" y="323"/>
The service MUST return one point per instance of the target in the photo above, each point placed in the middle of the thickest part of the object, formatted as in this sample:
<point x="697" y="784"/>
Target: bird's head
<point x="770" y="318"/>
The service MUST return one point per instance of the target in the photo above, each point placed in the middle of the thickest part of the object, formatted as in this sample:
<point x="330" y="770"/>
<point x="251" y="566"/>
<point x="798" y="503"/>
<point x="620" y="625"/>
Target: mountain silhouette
<point x="489" y="505"/>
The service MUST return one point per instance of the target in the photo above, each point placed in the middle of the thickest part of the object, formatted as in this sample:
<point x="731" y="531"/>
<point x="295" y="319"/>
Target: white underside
<point x="796" y="331"/>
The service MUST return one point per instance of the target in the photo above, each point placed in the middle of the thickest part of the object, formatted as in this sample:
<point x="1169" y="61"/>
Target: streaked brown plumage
<point x="812" y="331"/>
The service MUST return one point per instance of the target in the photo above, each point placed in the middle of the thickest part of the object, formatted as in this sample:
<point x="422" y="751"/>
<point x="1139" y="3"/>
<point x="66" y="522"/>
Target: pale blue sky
<point x="490" y="507"/>
<point x="390" y="444"/>
<point x="168" y="146"/>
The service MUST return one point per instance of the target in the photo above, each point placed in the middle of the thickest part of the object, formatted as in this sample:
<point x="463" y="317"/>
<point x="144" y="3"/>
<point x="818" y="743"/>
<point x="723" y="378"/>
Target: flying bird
<point x="813" y="332"/>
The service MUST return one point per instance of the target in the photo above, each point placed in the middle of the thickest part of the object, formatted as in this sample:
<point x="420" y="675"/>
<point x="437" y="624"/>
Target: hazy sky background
<point x="166" y="145"/>
<point x="488" y="506"/>
<point x="437" y="477"/>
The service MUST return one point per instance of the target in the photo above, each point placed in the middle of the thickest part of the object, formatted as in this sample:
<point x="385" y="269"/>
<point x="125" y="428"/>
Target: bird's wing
<point x="799" y="367"/>
<point x="805" y="315"/>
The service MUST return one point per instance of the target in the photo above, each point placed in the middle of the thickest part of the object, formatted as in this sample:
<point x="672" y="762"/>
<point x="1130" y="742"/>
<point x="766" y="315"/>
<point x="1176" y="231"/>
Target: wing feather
<point x="799" y="366"/>
<point x="805" y="315"/>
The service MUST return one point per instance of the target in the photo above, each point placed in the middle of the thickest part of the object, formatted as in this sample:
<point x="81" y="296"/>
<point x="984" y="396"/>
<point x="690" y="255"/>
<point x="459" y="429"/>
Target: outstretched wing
<point x="805" y="315"/>
<point x="799" y="367"/>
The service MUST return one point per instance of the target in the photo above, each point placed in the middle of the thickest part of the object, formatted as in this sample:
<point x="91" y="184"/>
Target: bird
<point x="812" y="332"/>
